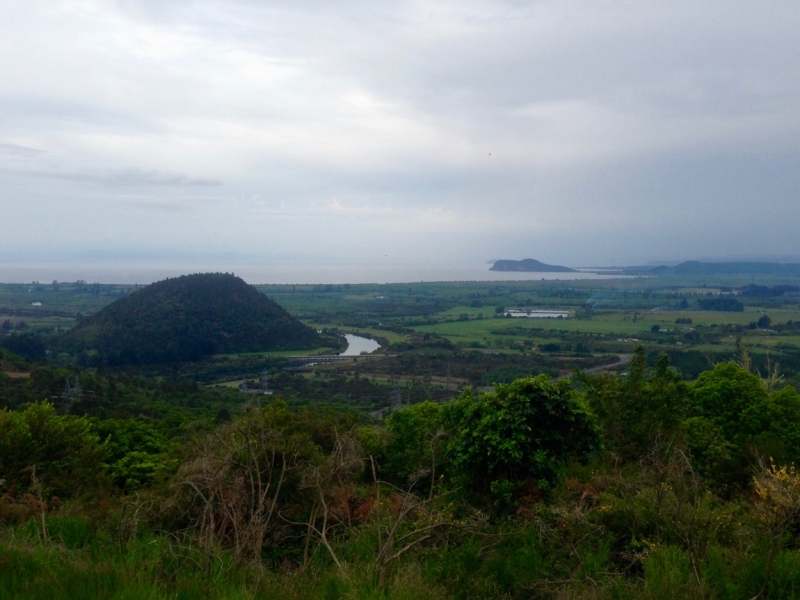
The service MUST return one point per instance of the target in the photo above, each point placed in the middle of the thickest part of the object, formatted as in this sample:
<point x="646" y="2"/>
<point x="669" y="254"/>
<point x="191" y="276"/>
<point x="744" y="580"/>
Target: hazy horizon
<point x="274" y="273"/>
<point x="417" y="133"/>
<point x="303" y="272"/>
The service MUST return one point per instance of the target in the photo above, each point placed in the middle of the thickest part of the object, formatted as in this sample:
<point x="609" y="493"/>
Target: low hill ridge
<point x="186" y="318"/>
<point x="693" y="267"/>
<point x="529" y="265"/>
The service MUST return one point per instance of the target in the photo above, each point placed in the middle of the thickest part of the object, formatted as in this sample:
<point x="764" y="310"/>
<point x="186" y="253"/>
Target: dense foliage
<point x="635" y="410"/>
<point x="640" y="485"/>
<point x="66" y="454"/>
<point x="724" y="304"/>
<point x="185" y="319"/>
<point x="520" y="433"/>
<point x="735" y="420"/>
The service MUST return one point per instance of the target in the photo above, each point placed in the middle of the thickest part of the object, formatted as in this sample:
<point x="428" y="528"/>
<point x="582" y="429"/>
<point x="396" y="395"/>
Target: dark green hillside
<point x="186" y="318"/>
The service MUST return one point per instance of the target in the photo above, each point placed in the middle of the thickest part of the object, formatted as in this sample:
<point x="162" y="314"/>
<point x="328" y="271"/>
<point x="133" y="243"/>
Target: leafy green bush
<point x="135" y="451"/>
<point x="522" y="432"/>
<point x="634" y="411"/>
<point x="736" y="421"/>
<point x="67" y="454"/>
<point x="722" y="395"/>
<point x="414" y="447"/>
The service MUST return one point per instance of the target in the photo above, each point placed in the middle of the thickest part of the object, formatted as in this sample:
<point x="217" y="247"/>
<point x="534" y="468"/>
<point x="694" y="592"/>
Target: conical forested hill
<point x="187" y="318"/>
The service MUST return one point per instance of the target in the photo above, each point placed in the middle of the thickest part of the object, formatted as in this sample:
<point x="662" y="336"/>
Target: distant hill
<point x="529" y="265"/>
<point x="694" y="267"/>
<point x="185" y="319"/>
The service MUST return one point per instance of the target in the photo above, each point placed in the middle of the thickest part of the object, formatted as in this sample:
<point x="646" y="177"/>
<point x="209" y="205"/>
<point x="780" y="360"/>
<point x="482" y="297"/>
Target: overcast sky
<point x="575" y="132"/>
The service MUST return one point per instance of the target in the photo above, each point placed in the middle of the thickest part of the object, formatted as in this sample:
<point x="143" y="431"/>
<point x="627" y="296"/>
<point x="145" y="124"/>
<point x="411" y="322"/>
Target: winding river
<point x="357" y="345"/>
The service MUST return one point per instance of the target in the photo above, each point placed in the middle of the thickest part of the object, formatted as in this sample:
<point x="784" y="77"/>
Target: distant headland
<point x="529" y="265"/>
<point x="694" y="267"/>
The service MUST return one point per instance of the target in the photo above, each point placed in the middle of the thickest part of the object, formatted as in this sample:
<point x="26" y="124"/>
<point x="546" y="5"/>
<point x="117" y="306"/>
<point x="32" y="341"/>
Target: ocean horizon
<point x="304" y="273"/>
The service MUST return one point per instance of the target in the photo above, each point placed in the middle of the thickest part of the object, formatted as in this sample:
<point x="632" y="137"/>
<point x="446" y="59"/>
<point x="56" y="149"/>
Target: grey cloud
<point x="15" y="150"/>
<point x="23" y="112"/>
<point x="130" y="177"/>
<point x="610" y="126"/>
<point x="134" y="176"/>
<point x="156" y="204"/>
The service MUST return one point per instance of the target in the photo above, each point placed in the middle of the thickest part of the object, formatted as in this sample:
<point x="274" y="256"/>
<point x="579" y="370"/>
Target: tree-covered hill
<point x="186" y="318"/>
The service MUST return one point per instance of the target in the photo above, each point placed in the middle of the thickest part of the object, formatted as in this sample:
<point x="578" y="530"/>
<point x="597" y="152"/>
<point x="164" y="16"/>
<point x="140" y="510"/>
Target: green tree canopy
<point x="722" y="395"/>
<point x="66" y="452"/>
<point x="736" y="421"/>
<point x="413" y="448"/>
<point x="134" y="450"/>
<point x="634" y="410"/>
<point x="521" y="432"/>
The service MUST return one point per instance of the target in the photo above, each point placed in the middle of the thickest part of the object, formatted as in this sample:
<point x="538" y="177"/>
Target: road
<point x="623" y="360"/>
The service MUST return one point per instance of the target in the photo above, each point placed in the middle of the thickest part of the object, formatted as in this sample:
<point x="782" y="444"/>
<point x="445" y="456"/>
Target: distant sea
<point x="285" y="273"/>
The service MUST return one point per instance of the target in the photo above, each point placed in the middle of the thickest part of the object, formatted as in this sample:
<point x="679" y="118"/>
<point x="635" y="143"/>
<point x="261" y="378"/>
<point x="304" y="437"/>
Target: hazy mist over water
<point x="274" y="273"/>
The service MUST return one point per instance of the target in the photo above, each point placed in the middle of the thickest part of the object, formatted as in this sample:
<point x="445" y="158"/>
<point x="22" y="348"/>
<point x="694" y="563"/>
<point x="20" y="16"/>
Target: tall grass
<point x="150" y="568"/>
<point x="78" y="563"/>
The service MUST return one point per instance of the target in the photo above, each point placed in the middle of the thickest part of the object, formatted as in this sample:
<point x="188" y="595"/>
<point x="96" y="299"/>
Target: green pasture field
<point x="486" y="312"/>
<point x="41" y="323"/>
<point x="65" y="297"/>
<point x="611" y="322"/>
<point x="707" y="317"/>
<point x="478" y="330"/>
<point x="615" y="331"/>
<point x="757" y="340"/>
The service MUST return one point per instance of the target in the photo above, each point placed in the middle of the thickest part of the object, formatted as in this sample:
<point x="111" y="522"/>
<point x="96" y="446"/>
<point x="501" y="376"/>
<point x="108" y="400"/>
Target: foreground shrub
<point x="519" y="434"/>
<point x="66" y="454"/>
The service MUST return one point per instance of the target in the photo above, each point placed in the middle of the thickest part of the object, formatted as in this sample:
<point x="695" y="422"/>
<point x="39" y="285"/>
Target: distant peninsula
<point x="694" y="267"/>
<point x="529" y="265"/>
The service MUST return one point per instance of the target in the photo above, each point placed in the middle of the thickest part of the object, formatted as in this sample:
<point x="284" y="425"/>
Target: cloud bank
<point x="577" y="132"/>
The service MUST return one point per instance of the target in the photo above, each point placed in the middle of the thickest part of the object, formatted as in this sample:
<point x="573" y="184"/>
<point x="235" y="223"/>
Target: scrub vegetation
<point x="643" y="447"/>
